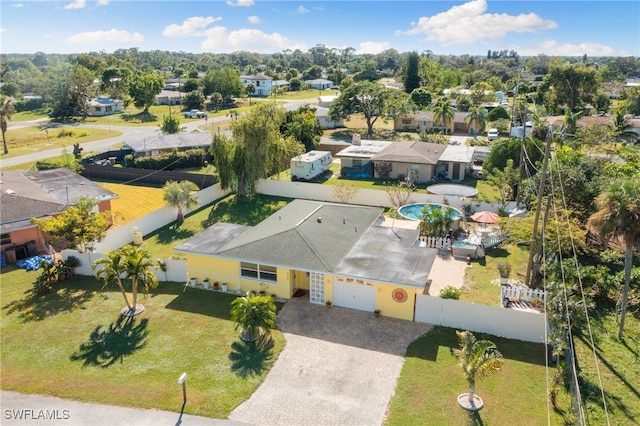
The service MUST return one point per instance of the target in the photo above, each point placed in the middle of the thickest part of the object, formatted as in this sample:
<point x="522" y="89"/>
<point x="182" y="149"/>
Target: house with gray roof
<point x="154" y="145"/>
<point x="327" y="251"/>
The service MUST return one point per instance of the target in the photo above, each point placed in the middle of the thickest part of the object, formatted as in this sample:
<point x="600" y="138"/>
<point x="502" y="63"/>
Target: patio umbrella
<point x="485" y="217"/>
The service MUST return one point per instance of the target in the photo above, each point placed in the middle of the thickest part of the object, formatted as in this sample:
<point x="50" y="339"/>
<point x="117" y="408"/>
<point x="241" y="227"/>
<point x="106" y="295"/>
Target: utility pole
<point x="532" y="247"/>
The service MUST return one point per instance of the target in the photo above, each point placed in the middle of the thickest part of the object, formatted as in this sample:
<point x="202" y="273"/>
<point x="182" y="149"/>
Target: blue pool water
<point x="414" y="211"/>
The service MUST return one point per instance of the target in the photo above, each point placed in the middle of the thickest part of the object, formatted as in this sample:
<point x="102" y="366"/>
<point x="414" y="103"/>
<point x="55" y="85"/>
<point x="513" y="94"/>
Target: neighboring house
<point x="154" y="145"/>
<point x="322" y="114"/>
<point x="262" y="84"/>
<point x="425" y="121"/>
<point x="418" y="161"/>
<point x="278" y="84"/>
<point x="169" y="97"/>
<point x="27" y="195"/>
<point x="330" y="251"/>
<point x="320" y="83"/>
<point x="355" y="160"/>
<point x="102" y="106"/>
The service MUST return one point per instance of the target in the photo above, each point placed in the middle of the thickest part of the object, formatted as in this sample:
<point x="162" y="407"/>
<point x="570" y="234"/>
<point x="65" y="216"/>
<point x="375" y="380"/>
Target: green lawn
<point x="71" y="344"/>
<point x="618" y="365"/>
<point x="431" y="381"/>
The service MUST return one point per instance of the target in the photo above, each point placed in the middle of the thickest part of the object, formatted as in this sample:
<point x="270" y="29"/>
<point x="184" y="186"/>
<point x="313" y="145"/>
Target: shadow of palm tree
<point x="106" y="346"/>
<point x="474" y="418"/>
<point x="251" y="358"/>
<point x="36" y="307"/>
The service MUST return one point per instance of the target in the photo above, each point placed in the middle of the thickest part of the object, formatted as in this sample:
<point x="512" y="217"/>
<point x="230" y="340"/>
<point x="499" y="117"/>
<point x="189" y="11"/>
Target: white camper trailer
<point x="310" y="165"/>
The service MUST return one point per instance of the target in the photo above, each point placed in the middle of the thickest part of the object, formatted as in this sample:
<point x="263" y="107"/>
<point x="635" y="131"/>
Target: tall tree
<point x="128" y="265"/>
<point x="367" y="98"/>
<point x="476" y="119"/>
<point x="180" y="195"/>
<point x="303" y="125"/>
<point x="618" y="215"/>
<point x="443" y="113"/>
<point x="256" y="150"/>
<point x="7" y="110"/>
<point x="144" y="88"/>
<point x="477" y="358"/>
<point x="78" y="226"/>
<point x="250" y="89"/>
<point x="225" y="81"/>
<point x="410" y="73"/>
<point x="573" y="85"/>
<point x="504" y="180"/>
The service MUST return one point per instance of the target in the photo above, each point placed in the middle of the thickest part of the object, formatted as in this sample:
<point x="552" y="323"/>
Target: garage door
<point x="354" y="296"/>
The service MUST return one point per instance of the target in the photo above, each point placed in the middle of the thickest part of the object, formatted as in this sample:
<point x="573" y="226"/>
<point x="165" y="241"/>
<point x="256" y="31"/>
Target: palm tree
<point x="618" y="215"/>
<point x="254" y="315"/>
<point x="443" y="112"/>
<point x="251" y="89"/>
<point x="478" y="358"/>
<point x="6" y="111"/>
<point x="180" y="195"/>
<point x="477" y="115"/>
<point x="129" y="264"/>
<point x="623" y="130"/>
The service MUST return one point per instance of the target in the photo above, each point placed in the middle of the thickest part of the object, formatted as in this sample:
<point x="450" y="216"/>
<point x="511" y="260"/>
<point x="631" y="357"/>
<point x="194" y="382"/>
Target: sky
<point x="530" y="27"/>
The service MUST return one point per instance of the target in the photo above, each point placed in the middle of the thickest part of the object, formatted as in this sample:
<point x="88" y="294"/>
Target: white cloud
<point x="190" y="27"/>
<point x="373" y="47"/>
<point x="468" y="24"/>
<point x="243" y="3"/>
<point x="103" y="2"/>
<point x="254" y="19"/>
<point x="220" y="40"/>
<point x="17" y="5"/>
<point x="553" y="48"/>
<point x="302" y="10"/>
<point x="3" y="29"/>
<point x="76" y="4"/>
<point x="106" y="37"/>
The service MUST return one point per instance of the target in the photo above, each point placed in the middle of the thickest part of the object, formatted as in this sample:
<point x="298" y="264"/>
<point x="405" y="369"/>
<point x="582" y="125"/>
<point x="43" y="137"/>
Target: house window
<point x="108" y="108"/>
<point x="259" y="272"/>
<point x="357" y="162"/>
<point x="5" y="239"/>
<point x="97" y="109"/>
<point x="406" y="121"/>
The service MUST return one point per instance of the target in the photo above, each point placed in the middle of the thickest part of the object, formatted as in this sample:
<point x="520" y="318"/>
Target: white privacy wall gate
<point x="498" y="321"/>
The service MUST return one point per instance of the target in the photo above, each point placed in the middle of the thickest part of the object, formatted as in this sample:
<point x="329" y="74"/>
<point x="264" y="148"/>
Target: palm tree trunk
<point x="628" y="261"/>
<point x="472" y="390"/>
<point x="124" y="294"/>
<point x="134" y="293"/>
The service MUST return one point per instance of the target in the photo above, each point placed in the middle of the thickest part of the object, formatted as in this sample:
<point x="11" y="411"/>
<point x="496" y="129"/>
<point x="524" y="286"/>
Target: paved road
<point x="18" y="409"/>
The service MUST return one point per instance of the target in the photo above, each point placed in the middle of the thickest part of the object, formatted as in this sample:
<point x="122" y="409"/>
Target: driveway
<point x="339" y="367"/>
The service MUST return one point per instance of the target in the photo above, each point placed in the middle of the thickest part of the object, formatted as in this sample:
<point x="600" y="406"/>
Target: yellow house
<point x="326" y="251"/>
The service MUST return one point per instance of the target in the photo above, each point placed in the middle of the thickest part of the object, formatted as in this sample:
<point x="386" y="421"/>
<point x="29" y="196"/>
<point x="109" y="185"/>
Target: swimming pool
<point x="415" y="211"/>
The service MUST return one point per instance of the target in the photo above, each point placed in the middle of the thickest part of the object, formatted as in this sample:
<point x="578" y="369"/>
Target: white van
<point x="492" y="134"/>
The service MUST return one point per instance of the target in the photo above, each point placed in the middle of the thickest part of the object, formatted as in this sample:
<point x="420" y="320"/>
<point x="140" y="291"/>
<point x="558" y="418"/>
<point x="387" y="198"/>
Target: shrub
<point x="450" y="292"/>
<point x="504" y="268"/>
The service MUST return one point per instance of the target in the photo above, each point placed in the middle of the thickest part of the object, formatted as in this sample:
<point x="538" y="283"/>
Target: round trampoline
<point x="452" y="189"/>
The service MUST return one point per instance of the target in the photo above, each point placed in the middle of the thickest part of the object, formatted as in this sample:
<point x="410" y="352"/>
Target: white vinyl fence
<point x="366" y="197"/>
<point x="498" y="321"/>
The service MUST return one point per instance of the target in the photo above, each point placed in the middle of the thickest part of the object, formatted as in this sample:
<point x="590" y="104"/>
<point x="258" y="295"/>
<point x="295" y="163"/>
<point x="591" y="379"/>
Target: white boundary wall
<point x="497" y="321"/>
<point x="364" y="196"/>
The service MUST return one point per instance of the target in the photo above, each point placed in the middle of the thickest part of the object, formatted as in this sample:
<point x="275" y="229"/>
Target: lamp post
<point x="183" y="381"/>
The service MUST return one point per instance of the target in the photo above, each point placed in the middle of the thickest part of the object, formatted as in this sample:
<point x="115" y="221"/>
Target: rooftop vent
<point x="319" y="219"/>
<point x="10" y="191"/>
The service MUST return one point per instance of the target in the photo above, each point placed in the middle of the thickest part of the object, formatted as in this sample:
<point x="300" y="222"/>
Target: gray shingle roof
<point x="411" y="152"/>
<point x="304" y="234"/>
<point x="176" y="140"/>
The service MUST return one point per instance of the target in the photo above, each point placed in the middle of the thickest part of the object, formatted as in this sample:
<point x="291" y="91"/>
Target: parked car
<point x="195" y="113"/>
<point x="492" y="134"/>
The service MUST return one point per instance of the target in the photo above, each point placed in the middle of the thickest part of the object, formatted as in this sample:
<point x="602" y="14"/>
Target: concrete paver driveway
<point x="339" y="367"/>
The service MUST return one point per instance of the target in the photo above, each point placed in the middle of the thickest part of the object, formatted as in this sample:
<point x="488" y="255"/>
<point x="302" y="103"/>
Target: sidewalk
<point x="19" y="409"/>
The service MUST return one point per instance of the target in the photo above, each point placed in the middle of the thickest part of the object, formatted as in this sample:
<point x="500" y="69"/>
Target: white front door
<point x="316" y="288"/>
